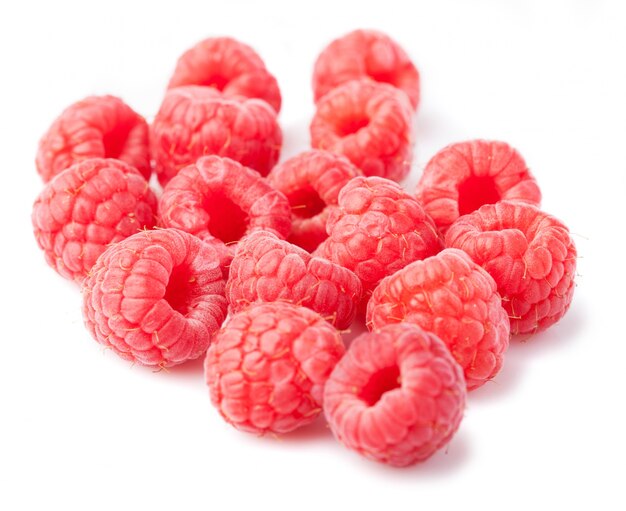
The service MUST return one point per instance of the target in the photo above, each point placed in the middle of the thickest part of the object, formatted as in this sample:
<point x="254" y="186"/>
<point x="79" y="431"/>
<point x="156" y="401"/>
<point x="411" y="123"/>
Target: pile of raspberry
<point x="261" y="266"/>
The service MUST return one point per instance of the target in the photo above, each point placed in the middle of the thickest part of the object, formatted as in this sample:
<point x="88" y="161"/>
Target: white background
<point x="80" y="429"/>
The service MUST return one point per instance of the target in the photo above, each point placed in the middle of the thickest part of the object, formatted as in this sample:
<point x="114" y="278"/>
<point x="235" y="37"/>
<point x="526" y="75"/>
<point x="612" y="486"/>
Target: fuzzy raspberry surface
<point x="311" y="181"/>
<point x="396" y="396"/>
<point x="95" y="127"/>
<point x="370" y="124"/>
<point x="267" y="366"/>
<point x="87" y="207"/>
<point x="156" y="297"/>
<point x="529" y="254"/>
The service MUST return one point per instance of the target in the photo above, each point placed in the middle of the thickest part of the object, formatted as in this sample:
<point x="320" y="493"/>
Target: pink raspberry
<point x="195" y="121"/>
<point x="311" y="181"/>
<point x="396" y="396"/>
<point x="529" y="254"/>
<point x="370" y="124"/>
<point x="454" y="298"/>
<point x="365" y="54"/>
<point x="267" y="269"/>
<point x="266" y="368"/>
<point x="87" y="207"/>
<point x="462" y="177"/>
<point x="229" y="66"/>
<point x="155" y="298"/>
<point x="95" y="127"/>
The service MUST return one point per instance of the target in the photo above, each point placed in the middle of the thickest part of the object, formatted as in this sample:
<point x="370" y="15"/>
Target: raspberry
<point x="462" y="177"/>
<point x="529" y="254"/>
<point x="267" y="366"/>
<point x="86" y="207"/>
<point x="229" y="66"/>
<point x="370" y="124"/>
<point x="311" y="181"/>
<point x="219" y="200"/>
<point x="454" y="298"/>
<point x="266" y="269"/>
<point x="156" y="297"/>
<point x="95" y="127"/>
<point x="365" y="54"/>
<point x="195" y="121"/>
<point x="377" y="229"/>
<point x="396" y="396"/>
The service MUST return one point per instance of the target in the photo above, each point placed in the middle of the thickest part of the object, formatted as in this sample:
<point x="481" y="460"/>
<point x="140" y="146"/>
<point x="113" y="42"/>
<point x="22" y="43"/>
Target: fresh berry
<point x="529" y="254"/>
<point x="370" y="124"/>
<point x="454" y="298"/>
<point x="267" y="366"/>
<point x="96" y="127"/>
<point x="267" y="269"/>
<point x="85" y="208"/>
<point x="196" y="121"/>
<point x="396" y="396"/>
<point x="229" y="66"/>
<point x="155" y="298"/>
<point x="462" y="177"/>
<point x="311" y="181"/>
<point x="365" y="54"/>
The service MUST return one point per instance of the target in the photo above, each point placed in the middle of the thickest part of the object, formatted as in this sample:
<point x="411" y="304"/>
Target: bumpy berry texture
<point x="370" y="124"/>
<point x="267" y="269"/>
<point x="311" y="181"/>
<point x="462" y="177"/>
<point x="87" y="207"/>
<point x="396" y="396"/>
<point x="365" y="54"/>
<point x="95" y="127"/>
<point x="529" y="254"/>
<point x="155" y="298"/>
<point x="454" y="298"/>
<point x="377" y="229"/>
<point x="267" y="366"/>
<point x="196" y="121"/>
<point x="229" y="66"/>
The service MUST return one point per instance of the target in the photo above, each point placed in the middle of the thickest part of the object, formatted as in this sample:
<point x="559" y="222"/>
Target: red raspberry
<point x="311" y="181"/>
<point x="85" y="208"/>
<point x="396" y="396"/>
<point x="267" y="269"/>
<point x="266" y="368"/>
<point x="195" y="121"/>
<point x="462" y="177"/>
<point x="454" y="298"/>
<point x="155" y="298"/>
<point x="370" y="124"/>
<point x="529" y="254"/>
<point x="229" y="66"/>
<point x="365" y="54"/>
<point x="377" y="229"/>
<point x="96" y="127"/>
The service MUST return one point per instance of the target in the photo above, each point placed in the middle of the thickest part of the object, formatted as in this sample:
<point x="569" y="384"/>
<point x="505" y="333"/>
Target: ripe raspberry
<point x="219" y="200"/>
<point x="529" y="254"/>
<point x="370" y="124"/>
<point x="311" y="181"/>
<point x="396" y="396"/>
<point x="195" y="121"/>
<point x="267" y="366"/>
<point x="155" y="298"/>
<point x="462" y="177"/>
<point x="365" y="54"/>
<point x="95" y="127"/>
<point x="267" y="269"/>
<point x="229" y="66"/>
<point x="377" y="229"/>
<point x="86" y="207"/>
<point x="454" y="298"/>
